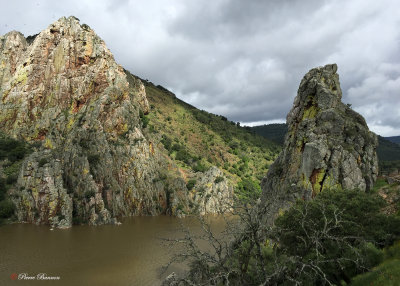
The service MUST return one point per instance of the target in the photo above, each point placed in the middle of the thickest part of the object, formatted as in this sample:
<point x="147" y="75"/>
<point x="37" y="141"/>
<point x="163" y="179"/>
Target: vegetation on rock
<point x="12" y="153"/>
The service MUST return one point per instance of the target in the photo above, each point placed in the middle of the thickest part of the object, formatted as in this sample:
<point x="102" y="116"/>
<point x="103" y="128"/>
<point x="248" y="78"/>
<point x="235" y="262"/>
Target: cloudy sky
<point x="243" y="59"/>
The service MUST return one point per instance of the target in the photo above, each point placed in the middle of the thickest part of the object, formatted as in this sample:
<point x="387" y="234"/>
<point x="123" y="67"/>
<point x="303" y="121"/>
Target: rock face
<point x="328" y="145"/>
<point x="63" y="91"/>
<point x="215" y="194"/>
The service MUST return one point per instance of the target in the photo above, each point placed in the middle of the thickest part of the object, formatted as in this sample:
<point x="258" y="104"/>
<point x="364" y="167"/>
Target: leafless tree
<point x="239" y="256"/>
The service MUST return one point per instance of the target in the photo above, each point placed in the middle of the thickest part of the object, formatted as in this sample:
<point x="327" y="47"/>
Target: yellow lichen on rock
<point x="317" y="180"/>
<point x="310" y="112"/>
<point x="48" y="144"/>
<point x="22" y="76"/>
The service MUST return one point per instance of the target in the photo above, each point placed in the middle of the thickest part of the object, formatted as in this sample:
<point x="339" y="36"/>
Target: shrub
<point x="247" y="189"/>
<point x="43" y="161"/>
<point x="201" y="190"/>
<point x="84" y="143"/>
<point x="218" y="179"/>
<point x="167" y="142"/>
<point x="3" y="189"/>
<point x="191" y="183"/>
<point x="176" y="147"/>
<point x="89" y="194"/>
<point x="7" y="208"/>
<point x="93" y="159"/>
<point x="11" y="179"/>
<point x="184" y="156"/>
<point x="199" y="167"/>
<point x="145" y="121"/>
<point x="11" y="149"/>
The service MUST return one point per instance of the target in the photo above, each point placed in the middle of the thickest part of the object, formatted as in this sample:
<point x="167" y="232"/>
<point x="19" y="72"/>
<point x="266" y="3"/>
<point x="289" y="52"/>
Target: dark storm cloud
<point x="244" y="59"/>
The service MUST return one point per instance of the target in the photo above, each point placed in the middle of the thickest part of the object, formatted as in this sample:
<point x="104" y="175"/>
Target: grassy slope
<point x="207" y="139"/>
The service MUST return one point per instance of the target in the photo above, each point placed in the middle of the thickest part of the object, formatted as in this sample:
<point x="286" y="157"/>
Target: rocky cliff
<point x="328" y="145"/>
<point x="63" y="92"/>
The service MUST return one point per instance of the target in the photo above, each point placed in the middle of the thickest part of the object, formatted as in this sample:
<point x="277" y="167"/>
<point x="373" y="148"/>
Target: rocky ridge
<point x="328" y="145"/>
<point x="63" y="92"/>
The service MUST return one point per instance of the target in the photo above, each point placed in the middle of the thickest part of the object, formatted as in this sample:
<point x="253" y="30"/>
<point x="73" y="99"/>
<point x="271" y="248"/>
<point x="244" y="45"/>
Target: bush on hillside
<point x="248" y="190"/>
<point x="218" y="179"/>
<point x="12" y="149"/>
<point x="191" y="183"/>
<point x="199" y="167"/>
<point x="7" y="208"/>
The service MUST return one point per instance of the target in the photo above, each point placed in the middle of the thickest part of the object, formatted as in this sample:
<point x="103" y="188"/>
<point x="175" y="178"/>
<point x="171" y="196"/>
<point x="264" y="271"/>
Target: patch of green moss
<point x="310" y="112"/>
<point x="48" y="144"/>
<point x="331" y="183"/>
<point x="317" y="186"/>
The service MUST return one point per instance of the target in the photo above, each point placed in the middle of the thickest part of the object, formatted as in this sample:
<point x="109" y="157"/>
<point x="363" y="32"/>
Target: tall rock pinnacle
<point x="328" y="145"/>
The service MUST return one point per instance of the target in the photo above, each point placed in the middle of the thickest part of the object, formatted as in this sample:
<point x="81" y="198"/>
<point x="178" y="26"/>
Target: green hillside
<point x="196" y="139"/>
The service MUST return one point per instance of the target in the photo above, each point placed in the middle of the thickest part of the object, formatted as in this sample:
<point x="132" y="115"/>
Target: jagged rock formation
<point x="214" y="193"/>
<point x="92" y="162"/>
<point x="328" y="145"/>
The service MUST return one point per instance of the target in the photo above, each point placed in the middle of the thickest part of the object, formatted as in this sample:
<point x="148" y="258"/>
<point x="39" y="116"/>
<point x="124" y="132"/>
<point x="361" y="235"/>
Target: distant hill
<point x="394" y="139"/>
<point x="275" y="132"/>
<point x="387" y="150"/>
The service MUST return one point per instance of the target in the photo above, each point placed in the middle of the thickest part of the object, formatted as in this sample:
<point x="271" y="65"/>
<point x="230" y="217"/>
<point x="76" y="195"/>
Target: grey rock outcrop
<point x="328" y="145"/>
<point x="63" y="92"/>
<point x="214" y="194"/>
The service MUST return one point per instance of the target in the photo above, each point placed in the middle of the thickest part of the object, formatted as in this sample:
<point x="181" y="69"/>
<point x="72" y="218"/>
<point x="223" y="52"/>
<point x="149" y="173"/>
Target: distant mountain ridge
<point x="394" y="139"/>
<point x="275" y="131"/>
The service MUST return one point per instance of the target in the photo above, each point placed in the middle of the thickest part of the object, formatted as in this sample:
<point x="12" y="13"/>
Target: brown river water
<point x="128" y="254"/>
